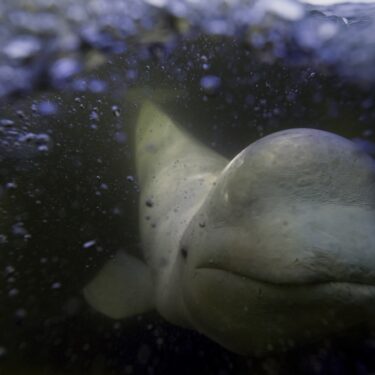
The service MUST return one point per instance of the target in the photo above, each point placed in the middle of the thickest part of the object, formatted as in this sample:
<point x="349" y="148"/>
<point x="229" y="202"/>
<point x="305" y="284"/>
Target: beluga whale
<point x="272" y="249"/>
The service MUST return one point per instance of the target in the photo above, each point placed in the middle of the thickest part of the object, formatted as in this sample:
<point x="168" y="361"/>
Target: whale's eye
<point x="184" y="252"/>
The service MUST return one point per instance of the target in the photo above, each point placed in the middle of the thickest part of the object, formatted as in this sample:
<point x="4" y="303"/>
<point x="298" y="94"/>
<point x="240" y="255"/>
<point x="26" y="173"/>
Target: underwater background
<point x="72" y="75"/>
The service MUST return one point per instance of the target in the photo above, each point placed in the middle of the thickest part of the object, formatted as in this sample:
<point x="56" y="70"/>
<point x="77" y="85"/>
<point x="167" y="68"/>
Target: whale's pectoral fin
<point x="122" y="288"/>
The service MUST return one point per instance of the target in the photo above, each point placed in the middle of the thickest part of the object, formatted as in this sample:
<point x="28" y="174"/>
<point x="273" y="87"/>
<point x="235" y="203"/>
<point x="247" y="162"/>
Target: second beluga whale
<point x="271" y="249"/>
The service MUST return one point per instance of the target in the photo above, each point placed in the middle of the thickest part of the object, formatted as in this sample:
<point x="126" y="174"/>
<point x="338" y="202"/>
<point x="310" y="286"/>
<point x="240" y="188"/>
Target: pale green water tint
<point x="68" y="187"/>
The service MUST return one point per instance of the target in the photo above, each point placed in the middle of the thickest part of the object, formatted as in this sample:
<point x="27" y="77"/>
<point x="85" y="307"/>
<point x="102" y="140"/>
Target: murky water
<point x="72" y="74"/>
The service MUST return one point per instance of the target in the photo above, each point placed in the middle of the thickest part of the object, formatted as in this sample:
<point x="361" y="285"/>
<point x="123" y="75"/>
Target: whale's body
<point x="273" y="248"/>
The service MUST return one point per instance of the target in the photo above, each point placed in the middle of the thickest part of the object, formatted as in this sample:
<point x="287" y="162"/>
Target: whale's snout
<point x="310" y="244"/>
<point x="250" y="316"/>
<point x="283" y="249"/>
<point x="261" y="290"/>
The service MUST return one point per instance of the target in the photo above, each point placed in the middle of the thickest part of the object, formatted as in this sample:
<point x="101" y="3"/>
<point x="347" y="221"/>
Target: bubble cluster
<point x="20" y="140"/>
<point x="46" y="43"/>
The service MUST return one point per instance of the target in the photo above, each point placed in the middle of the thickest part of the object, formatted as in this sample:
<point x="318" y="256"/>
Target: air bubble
<point x="97" y="86"/>
<point x="210" y="83"/>
<point x="94" y="116"/>
<point x="120" y="137"/>
<point x="47" y="108"/>
<point x="9" y="270"/>
<point x="43" y="149"/>
<point x="19" y="230"/>
<point x="11" y="185"/>
<point x="116" y="111"/>
<point x="3" y="351"/>
<point x="13" y="292"/>
<point x="6" y="123"/>
<point x="89" y="244"/>
<point x="22" y="48"/>
<point x="56" y="285"/>
<point x="64" y="69"/>
<point x="21" y="313"/>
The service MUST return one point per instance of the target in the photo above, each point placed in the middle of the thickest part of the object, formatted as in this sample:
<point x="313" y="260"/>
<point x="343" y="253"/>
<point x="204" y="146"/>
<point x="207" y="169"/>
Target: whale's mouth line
<point x="283" y="284"/>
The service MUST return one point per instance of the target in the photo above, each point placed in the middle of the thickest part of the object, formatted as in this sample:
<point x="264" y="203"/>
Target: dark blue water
<point x="71" y="75"/>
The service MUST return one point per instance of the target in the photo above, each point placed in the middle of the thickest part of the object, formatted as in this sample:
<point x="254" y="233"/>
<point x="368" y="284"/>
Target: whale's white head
<point x="273" y="248"/>
<point x="283" y="248"/>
